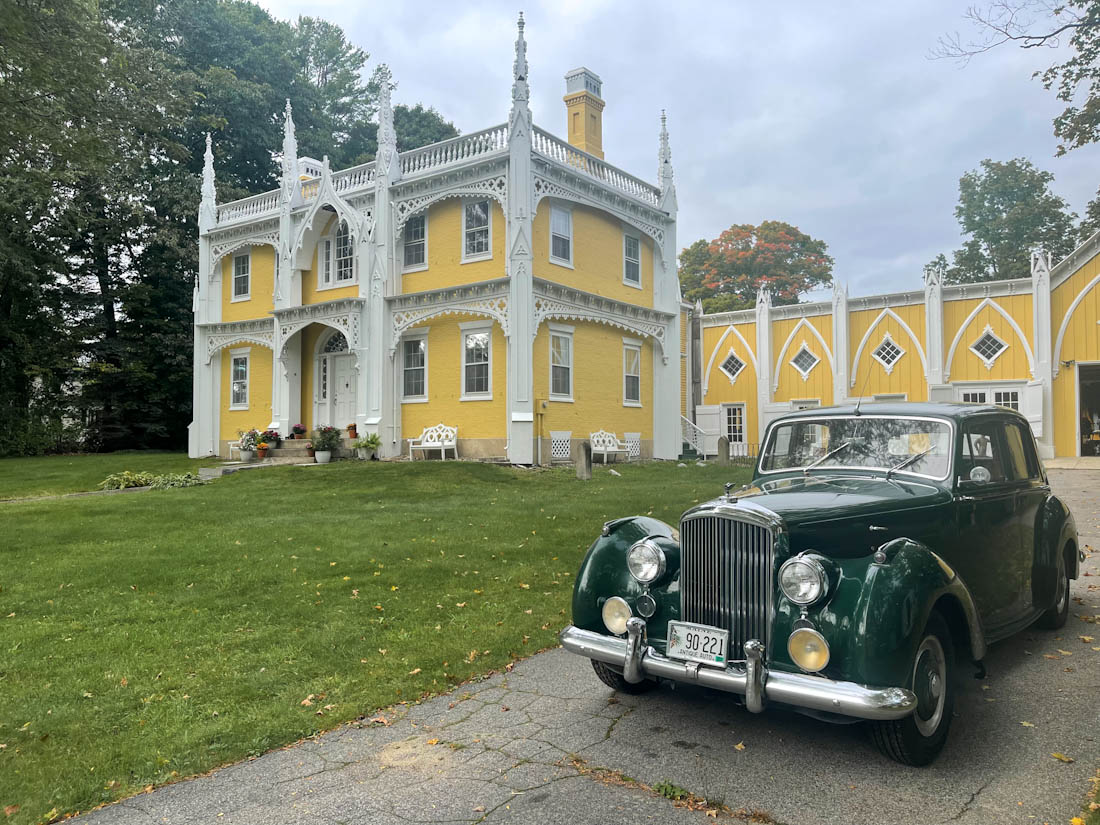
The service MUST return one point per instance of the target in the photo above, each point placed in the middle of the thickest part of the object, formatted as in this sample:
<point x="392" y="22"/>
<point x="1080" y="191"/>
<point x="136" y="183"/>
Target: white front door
<point x="343" y="387"/>
<point x="733" y="421"/>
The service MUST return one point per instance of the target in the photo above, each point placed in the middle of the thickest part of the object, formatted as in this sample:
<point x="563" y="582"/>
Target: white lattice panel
<point x="633" y="445"/>
<point x="561" y="445"/>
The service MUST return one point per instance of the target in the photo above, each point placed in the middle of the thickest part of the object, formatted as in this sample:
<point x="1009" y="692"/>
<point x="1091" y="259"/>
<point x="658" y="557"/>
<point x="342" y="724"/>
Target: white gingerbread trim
<point x="574" y="188"/>
<point x="326" y="195"/>
<point x="342" y="315"/>
<point x="486" y="298"/>
<point x="1011" y="322"/>
<point x="888" y="365"/>
<point x="556" y="301"/>
<point x="887" y="312"/>
<point x="494" y="186"/>
<point x="223" y="245"/>
<point x="219" y="336"/>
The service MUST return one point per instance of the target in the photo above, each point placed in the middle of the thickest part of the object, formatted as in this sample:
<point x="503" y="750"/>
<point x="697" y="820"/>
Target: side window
<point x="981" y="456"/>
<point x="1020" y="449"/>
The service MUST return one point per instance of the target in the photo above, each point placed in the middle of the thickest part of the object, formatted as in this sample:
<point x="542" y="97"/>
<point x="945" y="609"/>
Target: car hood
<point x="834" y="514"/>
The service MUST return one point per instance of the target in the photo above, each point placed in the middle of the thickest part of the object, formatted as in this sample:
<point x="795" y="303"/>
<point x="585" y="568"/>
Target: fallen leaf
<point x="414" y="671"/>
<point x="379" y="720"/>
<point x="479" y="809"/>
<point x="307" y="701"/>
<point x="712" y="813"/>
<point x="433" y="741"/>
<point x="11" y="810"/>
<point x="1061" y="757"/>
<point x="740" y="746"/>
<point x="1085" y="638"/>
<point x="1027" y="724"/>
<point x="524" y="586"/>
<point x="1064" y="652"/>
<point x="460" y="604"/>
<point x="1050" y="656"/>
<point x="1077" y="821"/>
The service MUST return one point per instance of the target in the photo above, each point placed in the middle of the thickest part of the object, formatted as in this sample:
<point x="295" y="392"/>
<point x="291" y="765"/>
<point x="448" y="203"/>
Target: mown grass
<point x="161" y="634"/>
<point x="58" y="474"/>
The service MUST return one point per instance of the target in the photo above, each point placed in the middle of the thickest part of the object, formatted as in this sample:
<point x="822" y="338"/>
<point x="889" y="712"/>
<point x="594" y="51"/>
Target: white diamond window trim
<point x="988" y="347"/>
<point x="804" y="361"/>
<point x="732" y="366"/>
<point x="887" y="353"/>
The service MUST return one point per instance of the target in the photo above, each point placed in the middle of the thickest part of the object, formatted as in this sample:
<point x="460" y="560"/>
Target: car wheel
<point x="918" y="738"/>
<point x="614" y="679"/>
<point x="1057" y="615"/>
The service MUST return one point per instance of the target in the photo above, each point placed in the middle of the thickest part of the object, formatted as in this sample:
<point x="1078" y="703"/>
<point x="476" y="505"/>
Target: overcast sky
<point x="829" y="116"/>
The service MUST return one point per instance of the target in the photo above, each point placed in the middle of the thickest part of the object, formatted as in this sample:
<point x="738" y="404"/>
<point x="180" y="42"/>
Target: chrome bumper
<point x="750" y="678"/>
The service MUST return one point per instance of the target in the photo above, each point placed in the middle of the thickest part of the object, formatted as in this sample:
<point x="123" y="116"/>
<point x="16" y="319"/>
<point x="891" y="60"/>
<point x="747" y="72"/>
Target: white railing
<point x="353" y="178"/>
<point x="455" y="150"/>
<point x="558" y="150"/>
<point x="248" y="207"/>
<point x="693" y="435"/>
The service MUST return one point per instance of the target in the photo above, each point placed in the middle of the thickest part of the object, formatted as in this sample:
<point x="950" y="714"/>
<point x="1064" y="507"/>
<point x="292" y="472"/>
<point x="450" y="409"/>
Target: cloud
<point x="829" y="116"/>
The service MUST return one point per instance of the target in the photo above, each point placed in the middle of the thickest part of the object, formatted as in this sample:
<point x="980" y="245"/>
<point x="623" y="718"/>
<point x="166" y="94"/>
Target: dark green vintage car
<point x="874" y="547"/>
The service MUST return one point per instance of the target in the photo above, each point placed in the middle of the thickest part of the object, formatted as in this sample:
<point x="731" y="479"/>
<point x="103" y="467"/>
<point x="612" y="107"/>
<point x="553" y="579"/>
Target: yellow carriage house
<point x="1031" y="344"/>
<point x="506" y="283"/>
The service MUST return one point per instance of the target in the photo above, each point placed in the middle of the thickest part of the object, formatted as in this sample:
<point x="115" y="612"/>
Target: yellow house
<point x="506" y="282"/>
<point x="1031" y="344"/>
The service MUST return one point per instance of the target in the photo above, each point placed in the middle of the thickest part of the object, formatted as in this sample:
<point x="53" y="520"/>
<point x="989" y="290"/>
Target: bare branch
<point x="1013" y="21"/>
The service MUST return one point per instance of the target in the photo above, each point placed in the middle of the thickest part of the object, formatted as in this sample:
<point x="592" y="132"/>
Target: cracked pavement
<point x="502" y="750"/>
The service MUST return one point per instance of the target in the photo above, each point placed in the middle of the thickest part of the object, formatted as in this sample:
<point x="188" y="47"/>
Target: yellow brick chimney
<point x="584" y="109"/>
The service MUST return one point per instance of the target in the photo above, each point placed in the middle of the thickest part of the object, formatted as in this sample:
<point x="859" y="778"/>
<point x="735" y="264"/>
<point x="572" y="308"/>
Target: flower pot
<point x="246" y="455"/>
<point x="261" y="453"/>
<point x="364" y="453"/>
<point x="310" y="452"/>
<point x="353" y="432"/>
<point x="323" y="456"/>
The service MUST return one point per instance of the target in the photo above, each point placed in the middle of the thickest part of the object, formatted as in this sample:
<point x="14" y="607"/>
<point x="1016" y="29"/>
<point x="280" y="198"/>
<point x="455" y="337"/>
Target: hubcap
<point x="929" y="683"/>
<point x="1063" y="590"/>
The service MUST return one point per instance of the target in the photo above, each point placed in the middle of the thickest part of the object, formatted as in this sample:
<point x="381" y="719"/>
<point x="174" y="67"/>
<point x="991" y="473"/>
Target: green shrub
<point x="172" y="480"/>
<point x="120" y="481"/>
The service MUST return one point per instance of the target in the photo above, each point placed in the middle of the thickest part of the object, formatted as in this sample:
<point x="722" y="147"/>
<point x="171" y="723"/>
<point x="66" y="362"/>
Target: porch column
<point x="840" y="343"/>
<point x="288" y="380"/>
<point x="938" y="389"/>
<point x="201" y="438"/>
<point x="1041" y="412"/>
<point x="521" y="300"/>
<point x="763" y="361"/>
<point x="666" y="393"/>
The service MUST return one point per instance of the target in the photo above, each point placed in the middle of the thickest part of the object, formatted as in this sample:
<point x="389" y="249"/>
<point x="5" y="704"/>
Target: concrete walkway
<point x="522" y="747"/>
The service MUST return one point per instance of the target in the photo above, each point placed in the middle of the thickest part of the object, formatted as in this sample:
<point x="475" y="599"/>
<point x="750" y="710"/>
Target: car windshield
<point x="905" y="445"/>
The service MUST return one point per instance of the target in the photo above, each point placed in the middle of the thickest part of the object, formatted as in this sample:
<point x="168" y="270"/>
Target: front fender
<point x="875" y="618"/>
<point x="603" y="573"/>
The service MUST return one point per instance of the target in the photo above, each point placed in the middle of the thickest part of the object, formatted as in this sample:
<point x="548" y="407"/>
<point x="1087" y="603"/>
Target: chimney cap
<point x="583" y="80"/>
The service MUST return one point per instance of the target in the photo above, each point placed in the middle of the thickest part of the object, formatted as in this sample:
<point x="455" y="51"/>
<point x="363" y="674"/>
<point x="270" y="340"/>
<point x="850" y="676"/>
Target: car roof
<point x="955" y="410"/>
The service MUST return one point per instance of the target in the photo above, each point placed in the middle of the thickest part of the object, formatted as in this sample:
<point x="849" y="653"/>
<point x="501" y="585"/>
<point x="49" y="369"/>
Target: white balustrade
<point x="248" y="207"/>
<point x="455" y="150"/>
<point x="558" y="150"/>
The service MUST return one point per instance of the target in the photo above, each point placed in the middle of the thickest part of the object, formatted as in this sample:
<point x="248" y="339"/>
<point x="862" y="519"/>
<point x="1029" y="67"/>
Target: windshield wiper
<point x="828" y="455"/>
<point x="901" y="465"/>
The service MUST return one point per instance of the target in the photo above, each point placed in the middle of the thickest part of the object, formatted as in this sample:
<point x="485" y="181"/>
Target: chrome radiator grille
<point x="726" y="577"/>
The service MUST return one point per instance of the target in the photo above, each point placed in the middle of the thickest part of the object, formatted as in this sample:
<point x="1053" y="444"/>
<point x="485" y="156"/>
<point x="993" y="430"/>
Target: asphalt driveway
<point x="548" y="743"/>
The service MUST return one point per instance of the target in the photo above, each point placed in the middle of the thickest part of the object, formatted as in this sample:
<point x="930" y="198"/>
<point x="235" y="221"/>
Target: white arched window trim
<point x="336" y="257"/>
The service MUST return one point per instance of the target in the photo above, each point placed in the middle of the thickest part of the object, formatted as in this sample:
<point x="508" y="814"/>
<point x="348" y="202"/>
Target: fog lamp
<point x="615" y="614"/>
<point x="808" y="649"/>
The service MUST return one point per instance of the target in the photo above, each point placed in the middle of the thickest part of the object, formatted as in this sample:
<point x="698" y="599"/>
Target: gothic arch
<point x="544" y="188"/>
<point x="889" y="313"/>
<point x="495" y="188"/>
<point x="1057" y="361"/>
<point x="495" y="308"/>
<point x="717" y="347"/>
<point x="804" y="322"/>
<point x="1011" y="322"/>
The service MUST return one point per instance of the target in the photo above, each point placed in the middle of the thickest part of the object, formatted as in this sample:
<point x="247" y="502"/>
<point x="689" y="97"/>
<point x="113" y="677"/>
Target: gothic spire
<point x="664" y="168"/>
<point x="207" y="207"/>
<point x="386" y="134"/>
<point x="521" y="113"/>
<point x="291" y="174"/>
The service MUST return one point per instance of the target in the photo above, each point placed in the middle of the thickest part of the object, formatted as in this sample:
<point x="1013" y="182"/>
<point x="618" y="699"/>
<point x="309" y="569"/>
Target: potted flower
<point x="261" y="450"/>
<point x="367" y="446"/>
<point x="309" y="449"/>
<point x="298" y="431"/>
<point x="325" y="440"/>
<point x="272" y="438"/>
<point x="352" y="431"/>
<point x="247" y="441"/>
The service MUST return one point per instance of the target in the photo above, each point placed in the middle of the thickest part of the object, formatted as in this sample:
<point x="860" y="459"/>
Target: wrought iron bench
<point x="440" y="437"/>
<point x="605" y="444"/>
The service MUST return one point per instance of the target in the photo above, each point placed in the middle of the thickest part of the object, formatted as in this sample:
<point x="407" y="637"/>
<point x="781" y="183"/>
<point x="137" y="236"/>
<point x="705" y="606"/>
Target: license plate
<point x="697" y="643"/>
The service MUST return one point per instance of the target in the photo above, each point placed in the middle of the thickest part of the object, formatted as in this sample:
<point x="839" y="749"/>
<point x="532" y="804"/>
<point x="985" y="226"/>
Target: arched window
<point x="336" y="343"/>
<point x="336" y="260"/>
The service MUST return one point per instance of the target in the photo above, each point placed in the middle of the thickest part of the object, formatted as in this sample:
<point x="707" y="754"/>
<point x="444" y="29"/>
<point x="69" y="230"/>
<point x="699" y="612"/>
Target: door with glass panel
<point x="335" y="383"/>
<point x="733" y="428"/>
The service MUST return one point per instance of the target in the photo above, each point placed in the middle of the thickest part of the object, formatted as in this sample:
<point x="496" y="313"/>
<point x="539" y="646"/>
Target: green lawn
<point x="56" y="474"/>
<point x="161" y="634"/>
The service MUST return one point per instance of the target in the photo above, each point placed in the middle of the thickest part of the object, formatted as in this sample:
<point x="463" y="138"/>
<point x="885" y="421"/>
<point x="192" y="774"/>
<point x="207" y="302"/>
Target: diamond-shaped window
<point x="732" y="366"/>
<point x="988" y="347"/>
<point x="804" y="361"/>
<point x="887" y="353"/>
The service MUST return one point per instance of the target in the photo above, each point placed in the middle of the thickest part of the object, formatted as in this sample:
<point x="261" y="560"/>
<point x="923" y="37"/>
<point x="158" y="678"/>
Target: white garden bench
<point x="605" y="443"/>
<point x="440" y="437"/>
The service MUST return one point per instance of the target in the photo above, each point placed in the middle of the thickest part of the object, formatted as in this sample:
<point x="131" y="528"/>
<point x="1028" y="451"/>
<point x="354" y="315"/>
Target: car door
<point x="1024" y="464"/>
<point x="988" y="553"/>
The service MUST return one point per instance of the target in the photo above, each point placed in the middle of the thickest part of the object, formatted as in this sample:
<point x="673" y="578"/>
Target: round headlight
<point x="645" y="561"/>
<point x="616" y="612"/>
<point x="808" y="649"/>
<point x="802" y="580"/>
